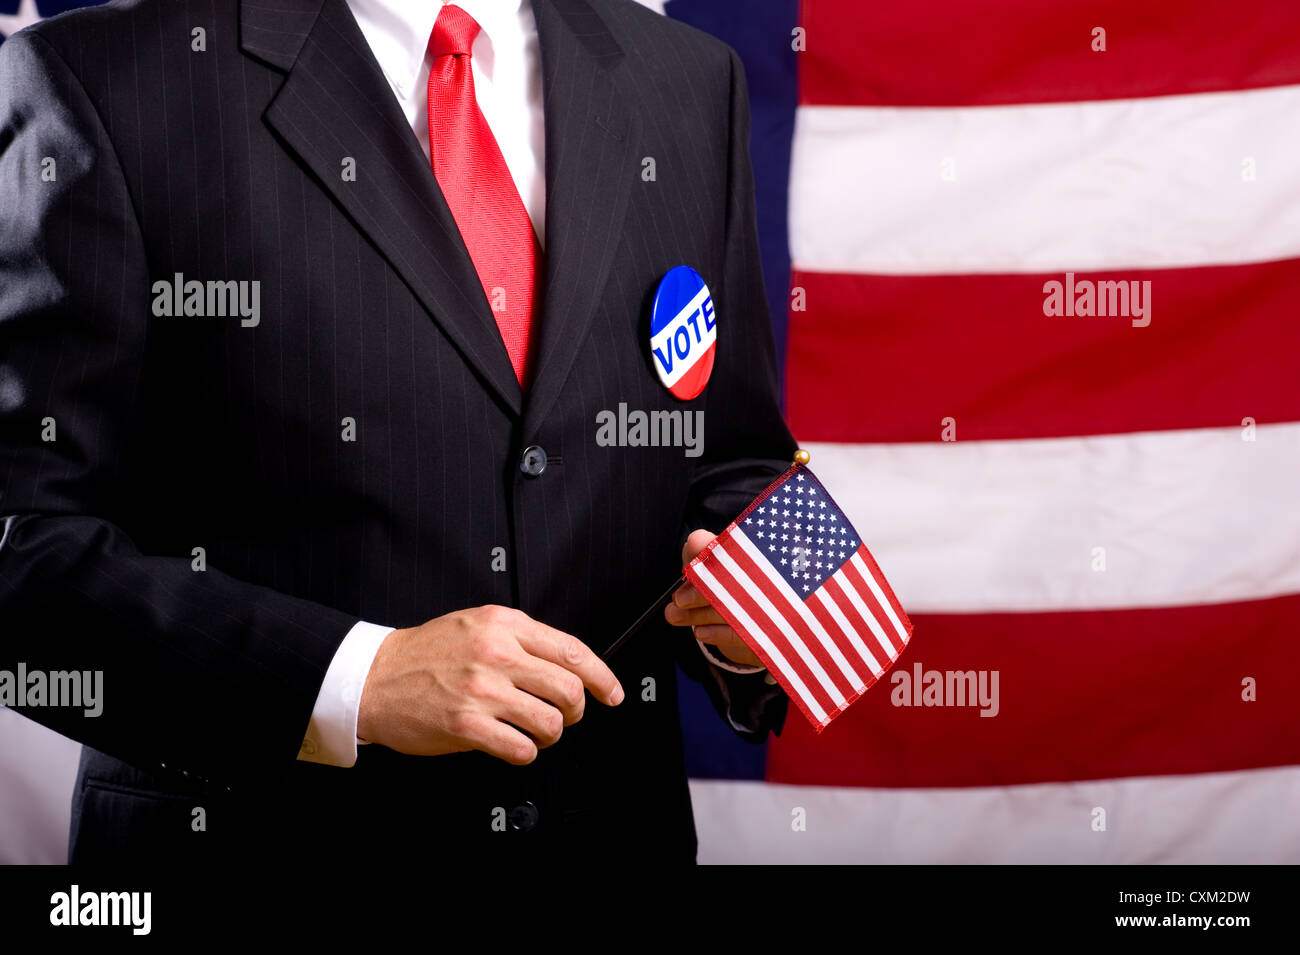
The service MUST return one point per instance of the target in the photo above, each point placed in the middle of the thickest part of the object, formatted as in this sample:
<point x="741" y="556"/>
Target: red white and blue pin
<point x="683" y="332"/>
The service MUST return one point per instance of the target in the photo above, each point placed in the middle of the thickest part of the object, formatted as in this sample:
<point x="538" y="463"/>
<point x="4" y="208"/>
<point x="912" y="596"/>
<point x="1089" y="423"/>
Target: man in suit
<point x="307" y="317"/>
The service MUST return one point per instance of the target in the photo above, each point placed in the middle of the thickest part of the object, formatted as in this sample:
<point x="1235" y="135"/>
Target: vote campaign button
<point x="683" y="332"/>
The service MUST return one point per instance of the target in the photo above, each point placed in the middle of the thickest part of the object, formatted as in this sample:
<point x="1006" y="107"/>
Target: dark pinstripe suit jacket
<point x="172" y="433"/>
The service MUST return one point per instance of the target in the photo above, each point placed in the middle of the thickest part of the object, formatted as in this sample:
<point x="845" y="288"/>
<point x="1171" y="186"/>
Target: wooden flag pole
<point x="800" y="457"/>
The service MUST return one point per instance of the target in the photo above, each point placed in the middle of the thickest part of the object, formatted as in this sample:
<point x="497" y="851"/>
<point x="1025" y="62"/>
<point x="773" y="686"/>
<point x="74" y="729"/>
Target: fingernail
<point x="617" y="696"/>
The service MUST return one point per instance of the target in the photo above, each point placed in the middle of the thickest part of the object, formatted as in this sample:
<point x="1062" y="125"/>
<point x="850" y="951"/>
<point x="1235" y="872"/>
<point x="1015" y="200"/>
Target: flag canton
<point x="801" y="532"/>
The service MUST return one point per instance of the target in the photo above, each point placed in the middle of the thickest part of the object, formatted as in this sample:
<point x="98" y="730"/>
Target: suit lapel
<point x="591" y="169"/>
<point x="335" y="103"/>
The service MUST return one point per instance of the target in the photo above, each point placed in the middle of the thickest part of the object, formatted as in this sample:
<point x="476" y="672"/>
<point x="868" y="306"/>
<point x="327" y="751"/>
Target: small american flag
<point x="792" y="577"/>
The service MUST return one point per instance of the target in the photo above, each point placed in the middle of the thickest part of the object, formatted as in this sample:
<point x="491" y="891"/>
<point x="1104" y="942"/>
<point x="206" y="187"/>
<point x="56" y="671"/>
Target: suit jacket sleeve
<point x="201" y="672"/>
<point x="746" y="441"/>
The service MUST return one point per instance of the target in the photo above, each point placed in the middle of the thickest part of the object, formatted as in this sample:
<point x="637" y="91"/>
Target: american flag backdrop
<point x="1093" y="522"/>
<point x="1102" y="515"/>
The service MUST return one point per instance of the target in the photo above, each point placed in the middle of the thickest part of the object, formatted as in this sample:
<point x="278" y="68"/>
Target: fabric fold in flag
<point x="795" y="581"/>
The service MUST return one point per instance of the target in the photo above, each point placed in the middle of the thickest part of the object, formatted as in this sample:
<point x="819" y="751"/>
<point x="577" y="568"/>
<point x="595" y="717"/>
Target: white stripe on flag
<point x="796" y="642"/>
<point x="850" y="672"/>
<point x="1052" y="187"/>
<point x="757" y="632"/>
<point x="861" y="566"/>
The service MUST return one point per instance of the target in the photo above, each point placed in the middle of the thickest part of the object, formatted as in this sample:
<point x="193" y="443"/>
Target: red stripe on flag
<point x="1028" y="51"/>
<point x="1080" y="696"/>
<point x="733" y="589"/>
<point x="886" y="358"/>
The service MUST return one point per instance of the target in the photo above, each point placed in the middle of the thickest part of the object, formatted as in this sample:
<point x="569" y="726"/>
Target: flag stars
<point x="803" y="548"/>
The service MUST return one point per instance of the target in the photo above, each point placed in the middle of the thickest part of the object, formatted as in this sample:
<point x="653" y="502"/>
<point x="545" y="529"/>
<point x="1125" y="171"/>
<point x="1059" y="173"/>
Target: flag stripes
<point x="766" y="650"/>
<point x="1110" y="520"/>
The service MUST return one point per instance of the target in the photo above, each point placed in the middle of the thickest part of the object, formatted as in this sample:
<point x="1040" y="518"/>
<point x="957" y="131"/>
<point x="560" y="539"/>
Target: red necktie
<point x="477" y="185"/>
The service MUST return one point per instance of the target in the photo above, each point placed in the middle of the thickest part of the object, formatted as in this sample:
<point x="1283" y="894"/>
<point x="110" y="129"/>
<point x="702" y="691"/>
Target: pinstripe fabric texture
<point x="176" y="433"/>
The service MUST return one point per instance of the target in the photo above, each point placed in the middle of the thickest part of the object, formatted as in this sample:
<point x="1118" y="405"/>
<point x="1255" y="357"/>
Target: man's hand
<point x="689" y="608"/>
<point x="489" y="678"/>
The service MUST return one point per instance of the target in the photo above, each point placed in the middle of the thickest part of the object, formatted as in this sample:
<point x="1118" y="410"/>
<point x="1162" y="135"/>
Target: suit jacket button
<point x="533" y="461"/>
<point x="524" y="817"/>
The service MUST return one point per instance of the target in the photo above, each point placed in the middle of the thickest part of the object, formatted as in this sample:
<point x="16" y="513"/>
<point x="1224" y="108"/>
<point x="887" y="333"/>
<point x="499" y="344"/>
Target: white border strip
<point x="1184" y="517"/>
<point x="1235" y="817"/>
<point x="38" y="768"/>
<point x="1154" y="182"/>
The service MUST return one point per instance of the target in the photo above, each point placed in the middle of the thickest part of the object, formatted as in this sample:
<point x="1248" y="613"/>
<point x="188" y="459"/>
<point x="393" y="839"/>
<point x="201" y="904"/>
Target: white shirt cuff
<point x="718" y="660"/>
<point x="332" y="733"/>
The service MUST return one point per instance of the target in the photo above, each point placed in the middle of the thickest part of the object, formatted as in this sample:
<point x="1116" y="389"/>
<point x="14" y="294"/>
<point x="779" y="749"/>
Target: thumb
<point x="696" y="542"/>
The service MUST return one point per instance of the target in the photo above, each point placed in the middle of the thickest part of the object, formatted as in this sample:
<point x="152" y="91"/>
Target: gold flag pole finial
<point x="802" y="457"/>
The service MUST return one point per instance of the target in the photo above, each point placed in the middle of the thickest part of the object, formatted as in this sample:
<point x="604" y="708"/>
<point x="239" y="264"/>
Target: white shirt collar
<point x="398" y="32"/>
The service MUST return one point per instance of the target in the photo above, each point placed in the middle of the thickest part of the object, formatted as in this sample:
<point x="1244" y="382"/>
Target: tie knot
<point x="453" y="32"/>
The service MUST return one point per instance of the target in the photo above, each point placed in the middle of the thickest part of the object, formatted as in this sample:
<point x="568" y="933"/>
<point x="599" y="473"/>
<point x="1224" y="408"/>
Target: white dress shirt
<point x="507" y="67"/>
